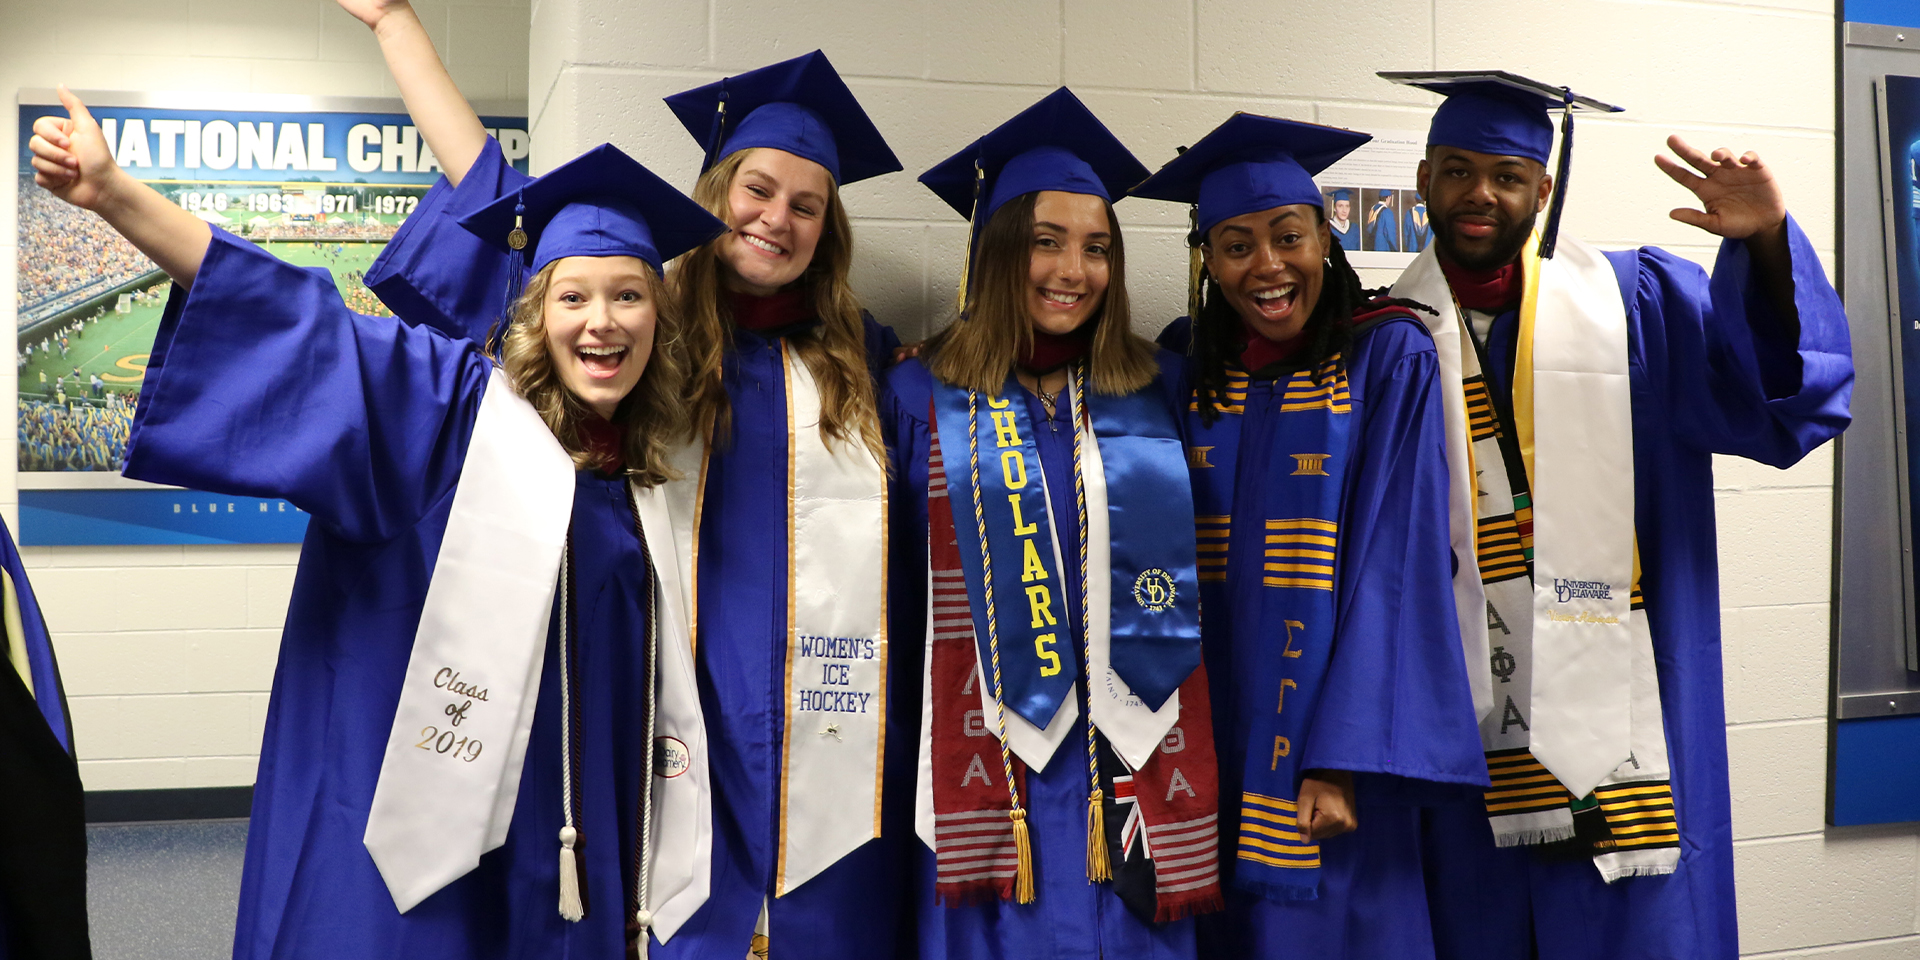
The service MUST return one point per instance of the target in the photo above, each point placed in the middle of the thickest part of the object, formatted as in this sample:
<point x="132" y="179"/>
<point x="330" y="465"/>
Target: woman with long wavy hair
<point x="791" y="495"/>
<point x="1319" y="479"/>
<point x="484" y="738"/>
<point x="1067" y="774"/>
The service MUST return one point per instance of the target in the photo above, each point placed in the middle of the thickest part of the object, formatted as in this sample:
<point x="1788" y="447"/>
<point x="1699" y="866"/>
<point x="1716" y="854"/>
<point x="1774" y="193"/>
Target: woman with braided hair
<point x="1316" y="448"/>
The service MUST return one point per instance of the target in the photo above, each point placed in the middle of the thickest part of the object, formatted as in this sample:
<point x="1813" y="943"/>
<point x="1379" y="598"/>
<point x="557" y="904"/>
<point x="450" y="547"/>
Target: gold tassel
<point x="1023" y="874"/>
<point x="571" y="907"/>
<point x="1099" y="867"/>
<point x="1195" y="264"/>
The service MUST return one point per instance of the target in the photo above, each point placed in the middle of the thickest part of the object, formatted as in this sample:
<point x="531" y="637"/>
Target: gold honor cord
<point x="1099" y="867"/>
<point x="1023" y="872"/>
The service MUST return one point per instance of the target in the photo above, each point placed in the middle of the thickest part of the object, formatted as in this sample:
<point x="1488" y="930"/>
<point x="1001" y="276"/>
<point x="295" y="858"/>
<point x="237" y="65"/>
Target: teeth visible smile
<point x="1066" y="299"/>
<point x="760" y="244"/>
<point x="1275" y="294"/>
<point x="602" y="351"/>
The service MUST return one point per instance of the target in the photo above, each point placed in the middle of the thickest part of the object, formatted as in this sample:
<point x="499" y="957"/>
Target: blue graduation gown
<point x="43" y="837"/>
<point x="1710" y="373"/>
<point x="1394" y="707"/>
<point x="262" y="383"/>
<point x="1069" y="918"/>
<point x="436" y="273"/>
<point x="1350" y="237"/>
<point x="1383" y="231"/>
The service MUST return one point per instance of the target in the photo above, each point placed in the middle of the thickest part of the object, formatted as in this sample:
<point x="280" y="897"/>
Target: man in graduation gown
<point x="43" y="837"/>
<point x="1607" y="831"/>
<point x="1383" y="225"/>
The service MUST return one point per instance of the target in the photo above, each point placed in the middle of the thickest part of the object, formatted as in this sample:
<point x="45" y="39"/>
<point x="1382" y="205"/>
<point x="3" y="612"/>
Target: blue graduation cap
<point x="800" y="106"/>
<point x="1056" y="144"/>
<point x="601" y="203"/>
<point x="1496" y="112"/>
<point x="1248" y="164"/>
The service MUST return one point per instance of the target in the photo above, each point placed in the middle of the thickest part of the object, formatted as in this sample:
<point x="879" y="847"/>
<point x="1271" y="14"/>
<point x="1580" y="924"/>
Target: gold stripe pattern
<point x="1270" y="834"/>
<point x="1213" y="534"/>
<point x="1300" y="553"/>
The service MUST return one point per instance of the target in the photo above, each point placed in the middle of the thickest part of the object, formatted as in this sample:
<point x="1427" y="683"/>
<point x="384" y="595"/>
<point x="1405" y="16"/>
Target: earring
<point x="1328" y="261"/>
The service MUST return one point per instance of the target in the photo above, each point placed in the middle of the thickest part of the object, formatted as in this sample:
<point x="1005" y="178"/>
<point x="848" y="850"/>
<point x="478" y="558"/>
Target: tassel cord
<point x="1550" y="237"/>
<point x="1023" y="872"/>
<point x="572" y="899"/>
<point x="1099" y="866"/>
<point x="643" y="839"/>
<point x="973" y="235"/>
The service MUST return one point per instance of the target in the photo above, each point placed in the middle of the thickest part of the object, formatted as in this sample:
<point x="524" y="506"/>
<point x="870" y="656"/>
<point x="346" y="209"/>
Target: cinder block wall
<point x="1756" y="74"/>
<point x="168" y="652"/>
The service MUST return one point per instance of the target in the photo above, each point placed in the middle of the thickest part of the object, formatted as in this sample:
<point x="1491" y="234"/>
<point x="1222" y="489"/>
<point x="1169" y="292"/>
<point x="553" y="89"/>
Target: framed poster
<point x="1371" y="203"/>
<point x="320" y="182"/>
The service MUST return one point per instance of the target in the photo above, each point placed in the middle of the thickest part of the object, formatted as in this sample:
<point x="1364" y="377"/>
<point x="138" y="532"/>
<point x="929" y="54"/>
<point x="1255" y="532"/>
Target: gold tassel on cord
<point x="1195" y="264"/>
<point x="1024" y="847"/>
<point x="571" y="907"/>
<point x="1023" y="874"/>
<point x="1099" y="867"/>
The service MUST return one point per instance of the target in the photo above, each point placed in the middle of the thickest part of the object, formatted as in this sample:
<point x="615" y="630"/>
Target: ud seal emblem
<point x="1154" y="589"/>
<point x="670" y="758"/>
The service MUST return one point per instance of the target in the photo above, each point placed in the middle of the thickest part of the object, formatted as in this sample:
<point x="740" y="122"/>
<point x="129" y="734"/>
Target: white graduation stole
<point x="452" y="768"/>
<point x="451" y="775"/>
<point x="836" y="636"/>
<point x="1572" y="374"/>
<point x="682" y="836"/>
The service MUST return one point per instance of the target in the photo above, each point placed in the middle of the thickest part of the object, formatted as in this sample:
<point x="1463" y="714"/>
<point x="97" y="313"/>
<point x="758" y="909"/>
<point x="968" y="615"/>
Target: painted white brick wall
<point x="168" y="652"/>
<point x="1753" y="74"/>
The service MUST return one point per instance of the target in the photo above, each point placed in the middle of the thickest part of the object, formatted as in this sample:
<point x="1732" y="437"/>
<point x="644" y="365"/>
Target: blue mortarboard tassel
<point x="1551" y="232"/>
<point x="516" y="273"/>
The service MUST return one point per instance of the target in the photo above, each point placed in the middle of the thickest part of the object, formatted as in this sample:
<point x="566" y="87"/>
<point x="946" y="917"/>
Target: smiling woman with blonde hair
<point x="485" y="736"/>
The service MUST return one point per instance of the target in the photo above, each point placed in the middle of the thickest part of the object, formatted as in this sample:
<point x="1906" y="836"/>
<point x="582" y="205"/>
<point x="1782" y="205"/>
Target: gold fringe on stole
<point x="1023" y="874"/>
<point x="1099" y="867"/>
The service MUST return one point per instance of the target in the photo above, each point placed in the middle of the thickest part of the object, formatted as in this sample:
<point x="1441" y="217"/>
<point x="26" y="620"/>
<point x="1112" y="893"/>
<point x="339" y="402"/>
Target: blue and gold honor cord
<point x="1099" y="867"/>
<point x="1023" y="873"/>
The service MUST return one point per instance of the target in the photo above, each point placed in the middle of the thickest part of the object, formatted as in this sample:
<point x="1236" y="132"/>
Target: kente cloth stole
<point x="969" y="801"/>
<point x="451" y="773"/>
<point x="1280" y="571"/>
<point x="836" y="641"/>
<point x="1564" y="635"/>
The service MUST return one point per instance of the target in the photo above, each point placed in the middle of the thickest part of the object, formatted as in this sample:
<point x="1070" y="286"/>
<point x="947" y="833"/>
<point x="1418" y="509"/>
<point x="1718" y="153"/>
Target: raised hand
<point x="1741" y="197"/>
<point x="371" y="12"/>
<point x="71" y="159"/>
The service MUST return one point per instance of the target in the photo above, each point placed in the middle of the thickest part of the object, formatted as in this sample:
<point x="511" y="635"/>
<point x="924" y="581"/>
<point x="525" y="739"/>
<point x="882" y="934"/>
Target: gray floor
<point x="164" y="891"/>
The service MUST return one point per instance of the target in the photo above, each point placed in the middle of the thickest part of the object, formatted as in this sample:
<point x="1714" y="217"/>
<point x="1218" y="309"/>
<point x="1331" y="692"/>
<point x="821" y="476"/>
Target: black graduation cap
<point x="1496" y="112"/>
<point x="800" y="106"/>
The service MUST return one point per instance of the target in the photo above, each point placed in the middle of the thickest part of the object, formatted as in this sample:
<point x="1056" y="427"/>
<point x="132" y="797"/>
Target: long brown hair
<point x="979" y="349"/>
<point x="835" y="352"/>
<point x="651" y="417"/>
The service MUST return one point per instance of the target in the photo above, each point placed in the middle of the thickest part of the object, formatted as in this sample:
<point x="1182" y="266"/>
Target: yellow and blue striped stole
<point x="1271" y="466"/>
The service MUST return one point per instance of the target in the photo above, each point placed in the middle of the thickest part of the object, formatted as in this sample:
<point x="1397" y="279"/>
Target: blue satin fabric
<point x="1710" y="374"/>
<point x="262" y="383"/>
<point x="1070" y="919"/>
<point x="1022" y="635"/>
<point x="436" y="273"/>
<point x="48" y="694"/>
<point x="1394" y="705"/>
<point x="1145" y="463"/>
